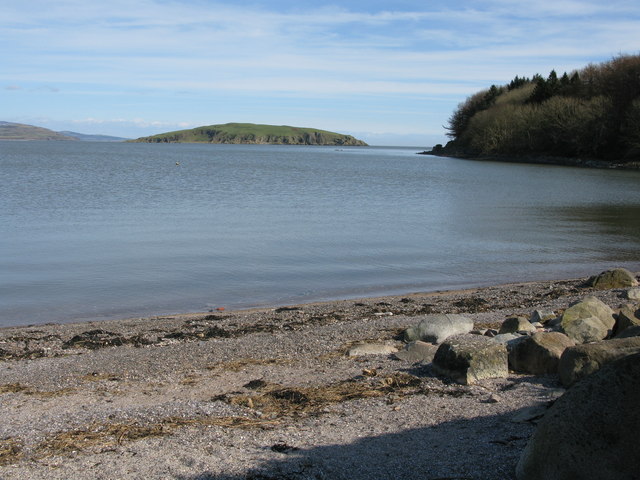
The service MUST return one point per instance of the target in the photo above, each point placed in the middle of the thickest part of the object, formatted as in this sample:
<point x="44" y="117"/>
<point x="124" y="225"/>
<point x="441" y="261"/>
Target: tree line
<point x="593" y="112"/>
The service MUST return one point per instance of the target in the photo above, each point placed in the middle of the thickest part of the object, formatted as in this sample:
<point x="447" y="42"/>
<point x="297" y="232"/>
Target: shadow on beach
<point x="480" y="448"/>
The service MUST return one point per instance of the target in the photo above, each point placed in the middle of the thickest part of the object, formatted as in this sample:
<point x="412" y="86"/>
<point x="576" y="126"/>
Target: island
<point x="249" y="133"/>
<point x="588" y="117"/>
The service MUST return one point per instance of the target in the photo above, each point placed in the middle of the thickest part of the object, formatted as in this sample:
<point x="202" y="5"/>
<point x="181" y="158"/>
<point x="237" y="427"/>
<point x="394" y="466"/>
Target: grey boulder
<point x="591" y="432"/>
<point x="437" y="328"/>
<point x="628" y="316"/>
<point x="614" y="278"/>
<point x="417" y="352"/>
<point x="540" y="353"/>
<point x="466" y="359"/>
<point x="582" y="360"/>
<point x="588" y="320"/>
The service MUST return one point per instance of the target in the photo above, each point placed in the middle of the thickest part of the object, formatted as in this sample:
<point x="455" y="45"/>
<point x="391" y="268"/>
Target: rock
<point x="591" y="432"/>
<point x="479" y="331"/>
<point x="633" y="294"/>
<point x="579" y="321"/>
<point x="629" y="332"/>
<point x="417" y="352"/>
<point x="530" y="414"/>
<point x="582" y="360"/>
<point x="371" y="349"/>
<point x="615" y="278"/>
<point x="540" y="353"/>
<point x="469" y="358"/>
<point x="628" y="316"/>
<point x="437" y="328"/>
<point x="509" y="339"/>
<point x="542" y="316"/>
<point x="516" y="324"/>
<point x="585" y="330"/>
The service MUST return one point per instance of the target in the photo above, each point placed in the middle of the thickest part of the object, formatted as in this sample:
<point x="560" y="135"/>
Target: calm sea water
<point x="104" y="230"/>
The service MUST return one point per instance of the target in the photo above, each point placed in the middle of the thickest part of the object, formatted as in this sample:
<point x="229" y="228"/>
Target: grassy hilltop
<point x="254" y="134"/>
<point x="19" y="131"/>
<point x="593" y="113"/>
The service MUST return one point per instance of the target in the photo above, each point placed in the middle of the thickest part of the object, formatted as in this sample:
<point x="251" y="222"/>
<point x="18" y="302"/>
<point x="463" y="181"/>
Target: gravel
<point x="266" y="394"/>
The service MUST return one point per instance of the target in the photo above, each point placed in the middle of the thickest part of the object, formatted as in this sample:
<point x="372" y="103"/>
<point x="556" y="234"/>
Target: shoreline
<point x="330" y="303"/>
<point x="533" y="159"/>
<point x="267" y="393"/>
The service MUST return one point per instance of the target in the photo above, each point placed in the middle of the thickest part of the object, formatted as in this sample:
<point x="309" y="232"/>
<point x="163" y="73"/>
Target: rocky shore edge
<point x="349" y="389"/>
<point x="446" y="151"/>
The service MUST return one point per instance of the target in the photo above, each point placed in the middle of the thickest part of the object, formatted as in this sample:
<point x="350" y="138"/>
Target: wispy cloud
<point x="90" y="50"/>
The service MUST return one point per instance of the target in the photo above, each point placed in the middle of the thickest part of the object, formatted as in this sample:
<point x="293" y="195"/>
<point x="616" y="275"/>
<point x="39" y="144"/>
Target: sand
<point x="267" y="394"/>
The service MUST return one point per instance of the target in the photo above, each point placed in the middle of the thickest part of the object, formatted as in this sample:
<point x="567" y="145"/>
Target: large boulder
<point x="591" y="432"/>
<point x="628" y="316"/>
<point x="516" y="324"/>
<point x="629" y="332"/>
<point x="417" y="352"/>
<point x="469" y="358"/>
<point x="585" y="330"/>
<point x="581" y="321"/>
<point x="615" y="278"/>
<point x="437" y="328"/>
<point x="582" y="360"/>
<point x="540" y="353"/>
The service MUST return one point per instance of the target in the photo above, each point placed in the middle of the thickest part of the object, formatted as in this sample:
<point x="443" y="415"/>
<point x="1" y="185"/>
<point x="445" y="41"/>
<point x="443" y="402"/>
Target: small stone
<point x="542" y="316"/>
<point x="633" y="294"/>
<point x="516" y="324"/>
<point x="530" y="414"/>
<point x="371" y="349"/>
<point x="493" y="398"/>
<point x="491" y="332"/>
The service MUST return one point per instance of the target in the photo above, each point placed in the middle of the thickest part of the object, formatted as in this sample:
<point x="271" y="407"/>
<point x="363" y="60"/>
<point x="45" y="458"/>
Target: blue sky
<point x="386" y="72"/>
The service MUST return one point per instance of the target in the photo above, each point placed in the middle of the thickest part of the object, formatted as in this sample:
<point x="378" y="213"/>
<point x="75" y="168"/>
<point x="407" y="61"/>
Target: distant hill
<point x="249" y="133"/>
<point x="93" y="138"/>
<point x="18" y="131"/>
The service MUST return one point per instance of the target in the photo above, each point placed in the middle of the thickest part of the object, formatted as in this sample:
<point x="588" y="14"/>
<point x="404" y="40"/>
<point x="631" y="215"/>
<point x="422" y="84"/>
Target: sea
<point x="93" y="231"/>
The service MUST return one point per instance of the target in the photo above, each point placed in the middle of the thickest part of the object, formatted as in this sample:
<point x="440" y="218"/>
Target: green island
<point x="249" y="133"/>
<point x="589" y="117"/>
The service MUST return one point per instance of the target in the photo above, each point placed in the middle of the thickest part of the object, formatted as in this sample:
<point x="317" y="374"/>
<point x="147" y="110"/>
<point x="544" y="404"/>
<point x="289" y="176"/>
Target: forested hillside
<point x="590" y="113"/>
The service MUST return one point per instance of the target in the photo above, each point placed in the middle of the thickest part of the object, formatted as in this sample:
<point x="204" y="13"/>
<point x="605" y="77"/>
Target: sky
<point x="389" y="73"/>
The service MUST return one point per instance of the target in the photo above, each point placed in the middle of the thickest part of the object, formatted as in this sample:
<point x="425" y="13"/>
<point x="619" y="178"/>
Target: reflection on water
<point x="99" y="230"/>
<point x="614" y="228"/>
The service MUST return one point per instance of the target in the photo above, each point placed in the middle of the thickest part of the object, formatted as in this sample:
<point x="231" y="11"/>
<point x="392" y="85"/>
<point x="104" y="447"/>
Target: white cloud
<point x="124" y="58"/>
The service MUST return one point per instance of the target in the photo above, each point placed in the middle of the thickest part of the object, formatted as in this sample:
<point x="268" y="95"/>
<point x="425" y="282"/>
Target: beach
<point x="268" y="393"/>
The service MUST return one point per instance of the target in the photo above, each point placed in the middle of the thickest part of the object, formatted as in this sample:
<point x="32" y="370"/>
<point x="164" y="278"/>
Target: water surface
<point x="104" y="230"/>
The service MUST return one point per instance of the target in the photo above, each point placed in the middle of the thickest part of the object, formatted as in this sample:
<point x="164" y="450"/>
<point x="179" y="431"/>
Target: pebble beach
<point x="277" y="393"/>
